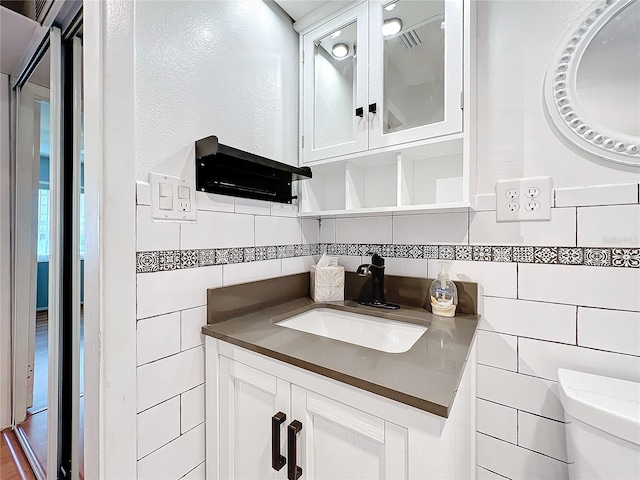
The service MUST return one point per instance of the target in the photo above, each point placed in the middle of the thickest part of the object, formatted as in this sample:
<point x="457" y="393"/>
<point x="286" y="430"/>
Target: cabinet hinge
<point x="302" y="141"/>
<point x="462" y="100"/>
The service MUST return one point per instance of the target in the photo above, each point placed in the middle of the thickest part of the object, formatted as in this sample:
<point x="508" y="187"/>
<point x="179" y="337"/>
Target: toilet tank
<point x="603" y="425"/>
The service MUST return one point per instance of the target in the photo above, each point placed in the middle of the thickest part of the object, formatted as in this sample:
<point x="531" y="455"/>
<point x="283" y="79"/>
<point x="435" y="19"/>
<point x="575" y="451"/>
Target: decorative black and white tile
<point x="416" y="251"/>
<point x="502" y="254"/>
<point x="523" y="254"/>
<point x="401" y="251"/>
<point x="430" y="251"/>
<point x="236" y="255"/>
<point x="189" y="259"/>
<point x="545" y="255"/>
<point x="463" y="252"/>
<point x="597" y="257"/>
<point x="206" y="257"/>
<point x="250" y="254"/>
<point x="481" y="254"/>
<point x="570" y="256"/>
<point x="445" y="252"/>
<point x="167" y="260"/>
<point x="147" y="262"/>
<point x="222" y="256"/>
<point x="625" y="257"/>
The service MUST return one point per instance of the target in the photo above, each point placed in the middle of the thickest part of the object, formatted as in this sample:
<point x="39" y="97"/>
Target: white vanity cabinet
<point x="329" y="429"/>
<point x="382" y="117"/>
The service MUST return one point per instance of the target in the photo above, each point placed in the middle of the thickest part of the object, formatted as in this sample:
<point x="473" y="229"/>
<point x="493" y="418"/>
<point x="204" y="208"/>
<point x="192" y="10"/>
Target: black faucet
<point x="376" y="269"/>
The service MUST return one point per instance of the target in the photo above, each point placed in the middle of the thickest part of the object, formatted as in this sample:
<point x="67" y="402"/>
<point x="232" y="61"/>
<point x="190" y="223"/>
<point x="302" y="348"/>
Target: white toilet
<point x="603" y="430"/>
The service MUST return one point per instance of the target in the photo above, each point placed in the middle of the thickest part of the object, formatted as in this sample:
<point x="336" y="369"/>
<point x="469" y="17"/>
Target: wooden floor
<point x="34" y="428"/>
<point x="13" y="463"/>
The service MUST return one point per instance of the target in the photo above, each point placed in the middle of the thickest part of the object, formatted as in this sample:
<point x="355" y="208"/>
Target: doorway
<point x="48" y="229"/>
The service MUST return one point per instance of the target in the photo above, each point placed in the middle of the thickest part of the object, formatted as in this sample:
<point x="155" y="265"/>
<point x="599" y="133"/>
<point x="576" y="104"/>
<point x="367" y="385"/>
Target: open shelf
<point x="423" y="177"/>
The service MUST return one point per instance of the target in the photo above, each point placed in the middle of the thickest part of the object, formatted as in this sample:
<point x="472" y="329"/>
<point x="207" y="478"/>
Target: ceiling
<point x="16" y="35"/>
<point x="298" y="9"/>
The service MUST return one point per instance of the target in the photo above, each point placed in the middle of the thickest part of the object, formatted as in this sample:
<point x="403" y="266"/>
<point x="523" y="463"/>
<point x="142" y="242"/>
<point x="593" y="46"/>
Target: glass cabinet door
<point x="335" y="87"/>
<point x="416" y="70"/>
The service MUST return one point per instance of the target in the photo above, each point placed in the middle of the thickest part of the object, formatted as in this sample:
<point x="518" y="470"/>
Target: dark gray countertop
<point x="426" y="377"/>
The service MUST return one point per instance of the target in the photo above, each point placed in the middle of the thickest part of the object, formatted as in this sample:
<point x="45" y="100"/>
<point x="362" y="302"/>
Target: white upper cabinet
<point x="335" y="86"/>
<point x="415" y="70"/>
<point x="380" y="74"/>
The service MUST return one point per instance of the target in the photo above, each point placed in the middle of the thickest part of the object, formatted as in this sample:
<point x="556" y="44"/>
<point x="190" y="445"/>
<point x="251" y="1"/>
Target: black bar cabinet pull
<point x="277" y="461"/>
<point x="373" y="108"/>
<point x="360" y="112"/>
<point x="293" y="470"/>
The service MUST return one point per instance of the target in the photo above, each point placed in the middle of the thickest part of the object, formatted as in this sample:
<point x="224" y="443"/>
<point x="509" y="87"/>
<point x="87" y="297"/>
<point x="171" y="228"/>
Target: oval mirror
<point x="592" y="86"/>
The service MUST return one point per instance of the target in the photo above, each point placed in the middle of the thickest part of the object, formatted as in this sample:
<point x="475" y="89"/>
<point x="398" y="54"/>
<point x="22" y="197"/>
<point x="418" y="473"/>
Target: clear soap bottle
<point x="444" y="294"/>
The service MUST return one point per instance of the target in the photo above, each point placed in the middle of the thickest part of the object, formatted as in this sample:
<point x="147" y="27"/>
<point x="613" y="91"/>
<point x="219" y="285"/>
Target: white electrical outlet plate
<point x="523" y="199"/>
<point x="172" y="198"/>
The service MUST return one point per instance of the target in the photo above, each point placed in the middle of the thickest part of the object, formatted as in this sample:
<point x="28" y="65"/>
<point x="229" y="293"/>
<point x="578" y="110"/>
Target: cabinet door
<point x="335" y="59"/>
<point x="248" y="400"/>
<point x="338" y="441"/>
<point x="415" y="71"/>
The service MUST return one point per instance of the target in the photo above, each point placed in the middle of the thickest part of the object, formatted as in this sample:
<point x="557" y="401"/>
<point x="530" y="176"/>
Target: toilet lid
<point x="608" y="404"/>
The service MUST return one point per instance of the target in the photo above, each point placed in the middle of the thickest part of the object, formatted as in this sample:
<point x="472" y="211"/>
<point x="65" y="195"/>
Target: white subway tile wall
<point x="191" y="322"/>
<point x="158" y="337"/>
<point x="214" y="202"/>
<point x="251" y="272"/>
<point x="597" y="195"/>
<point x="172" y="310"/>
<point x="165" y="378"/>
<point x="513" y="461"/>
<point x="252" y="207"/>
<point x="494" y="279"/>
<point x="497" y="420"/>
<point x="364" y="230"/>
<point x="561" y="230"/>
<point x="175" y="459"/>
<point x="328" y="230"/>
<point x="610" y="226"/>
<point x="218" y="230"/>
<point x="438" y="229"/>
<point x="498" y="350"/>
<point x="158" y="426"/>
<point x="542" y="435"/>
<point x="277" y="231"/>
<point x="191" y="408"/>
<point x="537" y="315"/>
<point x="406" y="267"/>
<point x="611" y="330"/>
<point x="154" y="235"/>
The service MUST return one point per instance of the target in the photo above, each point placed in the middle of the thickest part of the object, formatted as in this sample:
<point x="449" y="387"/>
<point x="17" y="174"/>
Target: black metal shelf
<point x="228" y="171"/>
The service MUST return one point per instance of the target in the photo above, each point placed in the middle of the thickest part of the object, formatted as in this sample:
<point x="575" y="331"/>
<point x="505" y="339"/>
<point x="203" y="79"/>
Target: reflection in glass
<point x="413" y="64"/>
<point x="608" y="76"/>
<point x="335" y="83"/>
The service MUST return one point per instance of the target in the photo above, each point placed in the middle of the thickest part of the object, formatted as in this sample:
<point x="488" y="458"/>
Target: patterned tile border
<point x="159" y="261"/>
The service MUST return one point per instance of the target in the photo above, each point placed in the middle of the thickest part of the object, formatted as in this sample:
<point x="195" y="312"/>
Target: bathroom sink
<point x="359" y="329"/>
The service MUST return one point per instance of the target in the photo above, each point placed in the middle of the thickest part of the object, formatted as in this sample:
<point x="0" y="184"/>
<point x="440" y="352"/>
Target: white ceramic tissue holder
<point x="327" y="282"/>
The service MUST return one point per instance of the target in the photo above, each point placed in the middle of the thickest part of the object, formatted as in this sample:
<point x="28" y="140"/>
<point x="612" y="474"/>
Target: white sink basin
<point x="365" y="330"/>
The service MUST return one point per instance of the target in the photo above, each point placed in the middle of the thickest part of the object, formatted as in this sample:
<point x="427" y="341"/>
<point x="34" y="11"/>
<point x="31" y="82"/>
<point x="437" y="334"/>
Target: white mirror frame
<point x="563" y="107"/>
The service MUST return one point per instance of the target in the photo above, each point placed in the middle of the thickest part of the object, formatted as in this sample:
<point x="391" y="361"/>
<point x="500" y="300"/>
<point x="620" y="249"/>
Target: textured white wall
<point x="214" y="68"/>
<point x="5" y="280"/>
<point x="225" y="68"/>
<point x="516" y="40"/>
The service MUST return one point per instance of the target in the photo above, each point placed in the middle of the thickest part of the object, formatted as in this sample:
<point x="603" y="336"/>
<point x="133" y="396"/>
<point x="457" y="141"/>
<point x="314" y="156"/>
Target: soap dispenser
<point x="444" y="294"/>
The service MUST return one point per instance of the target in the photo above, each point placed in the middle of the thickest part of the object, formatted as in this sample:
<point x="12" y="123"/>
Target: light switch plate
<point x="523" y="199"/>
<point x="181" y="209"/>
